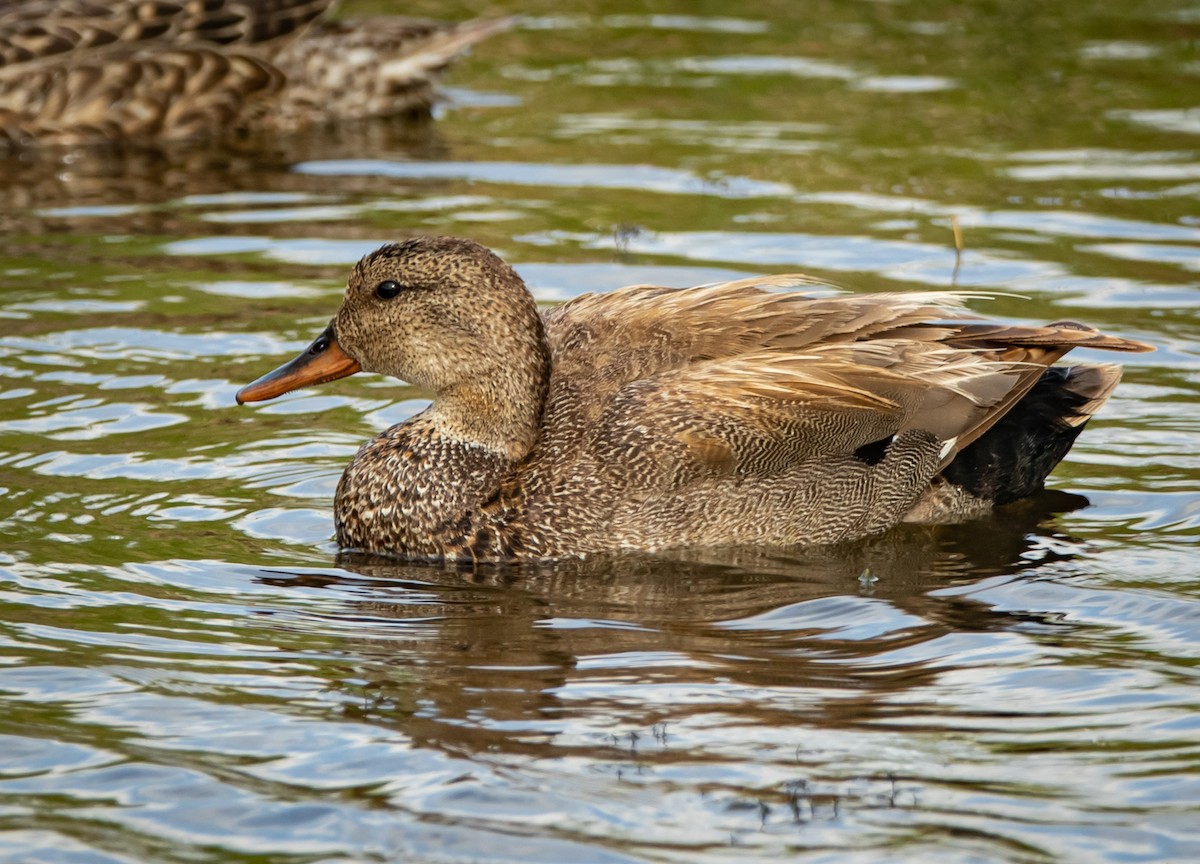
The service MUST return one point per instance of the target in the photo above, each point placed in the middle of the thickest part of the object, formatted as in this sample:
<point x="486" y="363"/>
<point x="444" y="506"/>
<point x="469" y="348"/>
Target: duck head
<point x="442" y="313"/>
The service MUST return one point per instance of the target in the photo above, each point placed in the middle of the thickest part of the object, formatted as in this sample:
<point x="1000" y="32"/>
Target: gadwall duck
<point x="649" y="418"/>
<point x="89" y="71"/>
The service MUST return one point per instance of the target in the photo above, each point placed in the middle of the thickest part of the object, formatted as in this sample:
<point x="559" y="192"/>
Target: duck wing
<point x="740" y="380"/>
<point x="766" y="413"/>
<point x="602" y="342"/>
<point x="641" y="330"/>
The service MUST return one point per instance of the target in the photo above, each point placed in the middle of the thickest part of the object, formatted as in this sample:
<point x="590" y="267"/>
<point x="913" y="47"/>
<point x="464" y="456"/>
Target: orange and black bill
<point x="323" y="360"/>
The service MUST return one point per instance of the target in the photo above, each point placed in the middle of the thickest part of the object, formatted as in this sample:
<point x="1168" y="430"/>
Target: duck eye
<point x="388" y="289"/>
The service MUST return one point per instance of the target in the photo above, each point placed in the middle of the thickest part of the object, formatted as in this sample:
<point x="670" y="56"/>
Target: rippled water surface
<point x="190" y="672"/>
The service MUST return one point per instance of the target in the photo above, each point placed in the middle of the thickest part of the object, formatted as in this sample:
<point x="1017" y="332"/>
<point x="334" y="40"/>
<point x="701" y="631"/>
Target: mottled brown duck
<point x="144" y="71"/>
<point x="650" y="418"/>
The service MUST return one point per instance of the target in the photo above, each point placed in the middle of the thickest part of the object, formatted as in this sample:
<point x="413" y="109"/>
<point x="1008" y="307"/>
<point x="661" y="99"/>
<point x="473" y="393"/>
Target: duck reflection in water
<point x="430" y="647"/>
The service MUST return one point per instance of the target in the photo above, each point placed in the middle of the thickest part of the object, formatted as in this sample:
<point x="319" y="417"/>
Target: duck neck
<point x="501" y="409"/>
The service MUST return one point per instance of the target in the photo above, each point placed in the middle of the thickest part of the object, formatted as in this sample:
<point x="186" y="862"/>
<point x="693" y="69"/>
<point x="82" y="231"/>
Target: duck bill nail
<point x="323" y="360"/>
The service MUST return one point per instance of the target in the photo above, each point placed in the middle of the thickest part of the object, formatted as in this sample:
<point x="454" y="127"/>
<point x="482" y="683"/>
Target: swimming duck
<point x="647" y="418"/>
<point x="90" y="71"/>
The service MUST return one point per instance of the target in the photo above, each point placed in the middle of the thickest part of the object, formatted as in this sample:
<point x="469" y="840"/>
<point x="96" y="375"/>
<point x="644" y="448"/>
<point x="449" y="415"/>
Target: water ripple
<point x="646" y="178"/>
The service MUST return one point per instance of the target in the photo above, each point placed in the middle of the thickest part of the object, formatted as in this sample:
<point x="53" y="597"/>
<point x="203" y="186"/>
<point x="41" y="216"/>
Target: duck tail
<point x="1012" y="459"/>
<point x="438" y="51"/>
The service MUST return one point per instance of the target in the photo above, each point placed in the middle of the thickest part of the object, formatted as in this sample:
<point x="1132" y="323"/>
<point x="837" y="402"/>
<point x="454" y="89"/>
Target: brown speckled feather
<point x="142" y="96"/>
<point x="650" y="418"/>
<point x="78" y="71"/>
<point x="43" y="29"/>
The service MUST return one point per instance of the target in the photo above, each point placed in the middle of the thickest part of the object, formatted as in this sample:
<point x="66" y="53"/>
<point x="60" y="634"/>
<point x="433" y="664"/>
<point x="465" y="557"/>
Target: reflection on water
<point x="190" y="671"/>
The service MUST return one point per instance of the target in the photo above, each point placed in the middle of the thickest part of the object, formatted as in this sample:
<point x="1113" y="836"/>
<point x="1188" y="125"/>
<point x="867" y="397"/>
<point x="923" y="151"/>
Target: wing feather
<point x="806" y="373"/>
<point x="768" y="411"/>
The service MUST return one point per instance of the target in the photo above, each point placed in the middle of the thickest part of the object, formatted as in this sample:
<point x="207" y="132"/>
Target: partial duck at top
<point x="650" y="418"/>
<point x="142" y="71"/>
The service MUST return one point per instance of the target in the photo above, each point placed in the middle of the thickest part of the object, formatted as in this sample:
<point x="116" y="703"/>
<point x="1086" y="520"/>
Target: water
<point x="190" y="672"/>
